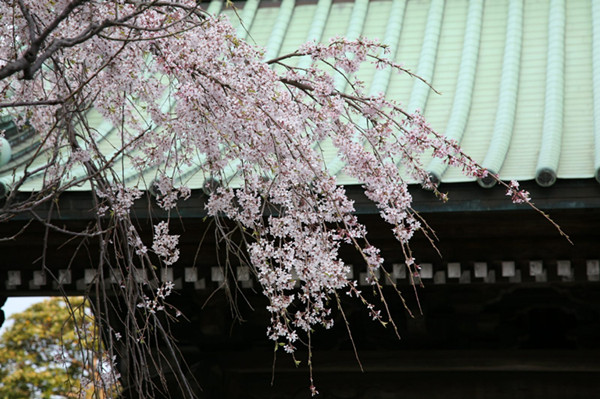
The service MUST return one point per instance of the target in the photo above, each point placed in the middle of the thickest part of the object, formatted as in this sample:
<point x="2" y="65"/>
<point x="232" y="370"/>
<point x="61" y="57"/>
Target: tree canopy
<point x="50" y="351"/>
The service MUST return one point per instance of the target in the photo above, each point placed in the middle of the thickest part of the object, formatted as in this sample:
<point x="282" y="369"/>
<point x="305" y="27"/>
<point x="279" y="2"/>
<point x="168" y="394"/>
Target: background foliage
<point x="50" y="352"/>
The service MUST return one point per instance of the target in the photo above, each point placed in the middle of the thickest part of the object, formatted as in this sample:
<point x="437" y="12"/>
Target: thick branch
<point x="32" y="60"/>
<point x="29" y="63"/>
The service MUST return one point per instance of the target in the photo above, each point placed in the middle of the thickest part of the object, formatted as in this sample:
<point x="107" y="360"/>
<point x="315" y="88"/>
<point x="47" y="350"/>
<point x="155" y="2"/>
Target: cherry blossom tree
<point x="185" y="96"/>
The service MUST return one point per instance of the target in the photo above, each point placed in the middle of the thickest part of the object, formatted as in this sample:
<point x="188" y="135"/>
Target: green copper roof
<point x="516" y="77"/>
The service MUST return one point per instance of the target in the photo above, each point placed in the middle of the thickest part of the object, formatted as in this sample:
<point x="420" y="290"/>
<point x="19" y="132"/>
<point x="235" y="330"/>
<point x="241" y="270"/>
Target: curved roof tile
<point x="464" y="83"/>
<point x="507" y="98"/>
<point x="426" y="67"/>
<point x="555" y="93"/>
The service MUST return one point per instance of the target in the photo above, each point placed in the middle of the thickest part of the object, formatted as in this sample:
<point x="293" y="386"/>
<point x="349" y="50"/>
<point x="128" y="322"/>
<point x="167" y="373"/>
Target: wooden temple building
<point x="511" y="309"/>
